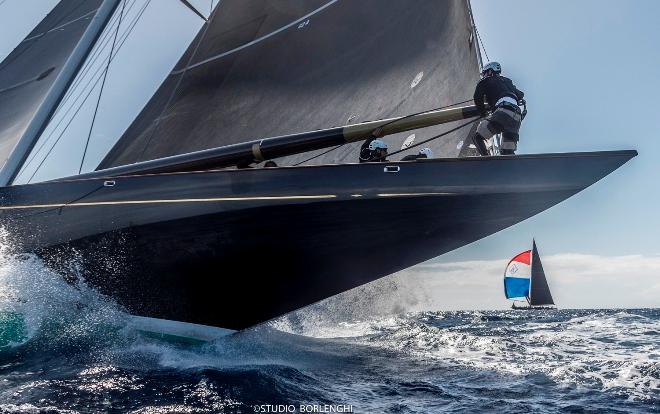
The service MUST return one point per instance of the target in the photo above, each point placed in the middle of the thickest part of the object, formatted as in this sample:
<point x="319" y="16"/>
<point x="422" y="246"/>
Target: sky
<point x="589" y="70"/>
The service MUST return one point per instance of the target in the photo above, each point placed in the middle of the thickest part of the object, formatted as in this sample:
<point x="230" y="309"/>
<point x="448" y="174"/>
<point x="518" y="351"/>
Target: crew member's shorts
<point x="505" y="121"/>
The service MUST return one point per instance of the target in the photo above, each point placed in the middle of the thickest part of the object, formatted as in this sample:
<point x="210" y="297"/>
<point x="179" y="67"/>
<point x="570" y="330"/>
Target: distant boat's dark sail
<point x="539" y="289"/>
<point x="28" y="73"/>
<point x="263" y="68"/>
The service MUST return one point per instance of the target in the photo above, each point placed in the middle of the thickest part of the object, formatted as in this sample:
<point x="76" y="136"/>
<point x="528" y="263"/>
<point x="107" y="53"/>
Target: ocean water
<point x="80" y="354"/>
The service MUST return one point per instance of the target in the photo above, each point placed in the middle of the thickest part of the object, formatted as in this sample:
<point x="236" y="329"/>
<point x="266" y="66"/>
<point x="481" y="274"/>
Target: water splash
<point x="51" y="308"/>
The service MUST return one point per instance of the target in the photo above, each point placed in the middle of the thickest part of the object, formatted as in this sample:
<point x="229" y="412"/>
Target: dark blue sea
<point x="80" y="354"/>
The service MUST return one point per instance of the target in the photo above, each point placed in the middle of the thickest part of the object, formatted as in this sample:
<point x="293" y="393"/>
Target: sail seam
<point x="253" y="42"/>
<point x="84" y="16"/>
<point x="11" y="58"/>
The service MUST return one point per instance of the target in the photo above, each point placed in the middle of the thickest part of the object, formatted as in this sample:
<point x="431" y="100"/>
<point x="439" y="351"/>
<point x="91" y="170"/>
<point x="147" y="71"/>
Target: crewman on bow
<point x="373" y="150"/>
<point x="505" y="115"/>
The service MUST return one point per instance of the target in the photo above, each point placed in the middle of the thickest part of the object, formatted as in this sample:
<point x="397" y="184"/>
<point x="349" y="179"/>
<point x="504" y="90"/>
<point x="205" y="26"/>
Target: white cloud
<point x="576" y="281"/>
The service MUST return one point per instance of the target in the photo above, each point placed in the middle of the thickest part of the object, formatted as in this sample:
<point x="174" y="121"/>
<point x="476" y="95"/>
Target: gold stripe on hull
<point x="172" y="201"/>
<point x="213" y="200"/>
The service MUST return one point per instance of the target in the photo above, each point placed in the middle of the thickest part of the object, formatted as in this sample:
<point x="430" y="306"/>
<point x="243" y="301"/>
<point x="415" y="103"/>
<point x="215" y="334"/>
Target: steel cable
<point x="105" y="77"/>
<point x="124" y="38"/>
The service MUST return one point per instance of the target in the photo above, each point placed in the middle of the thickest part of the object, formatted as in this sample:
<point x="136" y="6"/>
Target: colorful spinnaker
<point x="517" y="276"/>
<point x="524" y="278"/>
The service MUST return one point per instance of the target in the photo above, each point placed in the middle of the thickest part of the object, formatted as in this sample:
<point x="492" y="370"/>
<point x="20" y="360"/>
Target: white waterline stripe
<point x="255" y="41"/>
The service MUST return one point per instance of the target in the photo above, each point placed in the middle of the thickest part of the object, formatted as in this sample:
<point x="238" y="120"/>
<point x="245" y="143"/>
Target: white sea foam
<point x="618" y="352"/>
<point x="46" y="301"/>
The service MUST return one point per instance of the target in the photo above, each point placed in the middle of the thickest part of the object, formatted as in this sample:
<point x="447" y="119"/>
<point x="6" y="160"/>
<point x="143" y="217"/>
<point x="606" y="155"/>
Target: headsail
<point x="517" y="276"/>
<point x="539" y="289"/>
<point x="28" y="73"/>
<point x="268" y="68"/>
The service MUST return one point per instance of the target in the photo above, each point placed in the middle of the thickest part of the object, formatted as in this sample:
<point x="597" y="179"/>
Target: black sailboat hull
<point x="514" y="307"/>
<point x="234" y="248"/>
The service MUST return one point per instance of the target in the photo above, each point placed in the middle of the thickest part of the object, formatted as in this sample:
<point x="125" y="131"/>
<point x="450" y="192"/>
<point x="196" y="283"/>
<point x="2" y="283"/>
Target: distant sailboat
<point x="524" y="278"/>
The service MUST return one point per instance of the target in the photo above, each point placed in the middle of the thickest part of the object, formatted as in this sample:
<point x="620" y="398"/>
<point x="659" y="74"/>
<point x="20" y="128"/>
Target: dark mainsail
<point x="266" y="68"/>
<point x="539" y="290"/>
<point x="28" y="73"/>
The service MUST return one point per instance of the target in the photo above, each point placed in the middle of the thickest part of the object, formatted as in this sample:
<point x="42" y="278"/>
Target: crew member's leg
<point x="509" y="122"/>
<point x="486" y="130"/>
<point x="509" y="143"/>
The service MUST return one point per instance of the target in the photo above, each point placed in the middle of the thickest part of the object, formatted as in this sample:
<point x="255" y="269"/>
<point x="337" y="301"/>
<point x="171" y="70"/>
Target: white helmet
<point x="426" y="152"/>
<point x="494" y="66"/>
<point x="377" y="143"/>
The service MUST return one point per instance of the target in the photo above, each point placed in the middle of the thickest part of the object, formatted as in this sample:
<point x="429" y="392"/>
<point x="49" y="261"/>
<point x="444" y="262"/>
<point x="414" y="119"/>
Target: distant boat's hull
<point x="235" y="248"/>
<point x="514" y="307"/>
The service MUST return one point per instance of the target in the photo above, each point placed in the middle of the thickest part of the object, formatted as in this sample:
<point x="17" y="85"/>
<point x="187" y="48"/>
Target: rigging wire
<point x="92" y="80"/>
<point x="98" y="51"/>
<point x="472" y="121"/>
<point x="481" y="42"/>
<point x="124" y="39"/>
<point x="319" y="155"/>
<point x="384" y="125"/>
<point x="154" y="129"/>
<point x="102" y="44"/>
<point x="105" y="77"/>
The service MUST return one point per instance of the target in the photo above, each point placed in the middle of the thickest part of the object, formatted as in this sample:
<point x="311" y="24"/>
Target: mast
<point x="531" y="274"/>
<point x="57" y="91"/>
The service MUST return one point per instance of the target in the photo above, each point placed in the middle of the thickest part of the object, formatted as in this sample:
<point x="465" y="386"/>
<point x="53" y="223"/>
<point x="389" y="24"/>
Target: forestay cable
<point x="105" y="77"/>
